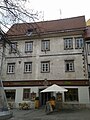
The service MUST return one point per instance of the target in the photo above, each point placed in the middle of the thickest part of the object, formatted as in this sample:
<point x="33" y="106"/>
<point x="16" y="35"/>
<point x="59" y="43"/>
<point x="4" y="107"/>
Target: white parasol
<point x="54" y="88"/>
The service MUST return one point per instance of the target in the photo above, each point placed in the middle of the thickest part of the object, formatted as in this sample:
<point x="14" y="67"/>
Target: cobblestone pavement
<point x="39" y="114"/>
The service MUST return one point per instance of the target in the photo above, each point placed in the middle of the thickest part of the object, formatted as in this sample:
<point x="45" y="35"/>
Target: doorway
<point x="44" y="97"/>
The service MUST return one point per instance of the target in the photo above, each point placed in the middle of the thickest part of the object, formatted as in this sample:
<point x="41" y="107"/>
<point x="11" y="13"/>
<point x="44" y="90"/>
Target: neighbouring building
<point x="44" y="53"/>
<point x="0" y="54"/>
<point x="87" y="49"/>
<point x="1" y="49"/>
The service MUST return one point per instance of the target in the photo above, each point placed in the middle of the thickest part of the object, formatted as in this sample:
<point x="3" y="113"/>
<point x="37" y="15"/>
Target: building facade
<point x="87" y="47"/>
<point x="46" y="53"/>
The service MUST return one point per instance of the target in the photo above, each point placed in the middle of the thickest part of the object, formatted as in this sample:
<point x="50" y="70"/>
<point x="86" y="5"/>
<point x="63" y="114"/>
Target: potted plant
<point x="24" y="106"/>
<point x="37" y="102"/>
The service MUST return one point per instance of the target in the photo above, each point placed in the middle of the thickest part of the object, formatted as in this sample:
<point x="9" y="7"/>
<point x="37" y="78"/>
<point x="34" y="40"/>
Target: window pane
<point x="67" y="66"/>
<point x="71" y="66"/>
<point x="47" y="45"/>
<point x="81" y="43"/>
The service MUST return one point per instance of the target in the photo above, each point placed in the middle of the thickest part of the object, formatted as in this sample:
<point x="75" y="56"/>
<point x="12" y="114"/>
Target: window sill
<point x="79" y="48"/>
<point x="68" y="48"/>
<point x="10" y="73"/>
<point x="70" y="71"/>
<point x="28" y="51"/>
<point x="27" y="72"/>
<point x="45" y="72"/>
<point x="45" y="50"/>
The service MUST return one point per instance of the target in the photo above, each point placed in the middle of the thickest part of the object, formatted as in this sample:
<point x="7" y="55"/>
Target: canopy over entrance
<point x="54" y="88"/>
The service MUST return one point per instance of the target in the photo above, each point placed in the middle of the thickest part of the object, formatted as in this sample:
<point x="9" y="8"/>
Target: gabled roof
<point x="49" y="26"/>
<point x="88" y="22"/>
<point x="87" y="33"/>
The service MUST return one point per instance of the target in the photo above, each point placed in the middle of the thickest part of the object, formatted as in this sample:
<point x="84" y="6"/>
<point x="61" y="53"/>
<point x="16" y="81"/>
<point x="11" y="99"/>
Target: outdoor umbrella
<point x="54" y="88"/>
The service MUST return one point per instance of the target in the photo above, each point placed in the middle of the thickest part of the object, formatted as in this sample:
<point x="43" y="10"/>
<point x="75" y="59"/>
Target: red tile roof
<point x="49" y="26"/>
<point x="87" y="33"/>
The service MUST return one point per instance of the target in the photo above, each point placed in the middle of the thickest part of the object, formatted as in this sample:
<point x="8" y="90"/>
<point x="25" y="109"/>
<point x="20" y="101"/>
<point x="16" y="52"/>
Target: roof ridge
<point x="49" y="20"/>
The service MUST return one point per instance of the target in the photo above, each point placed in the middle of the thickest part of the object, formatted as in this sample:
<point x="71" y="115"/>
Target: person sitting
<point x="52" y="102"/>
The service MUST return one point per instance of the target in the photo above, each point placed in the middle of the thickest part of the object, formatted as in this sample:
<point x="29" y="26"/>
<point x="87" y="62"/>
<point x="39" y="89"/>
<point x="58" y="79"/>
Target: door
<point x="44" y="97"/>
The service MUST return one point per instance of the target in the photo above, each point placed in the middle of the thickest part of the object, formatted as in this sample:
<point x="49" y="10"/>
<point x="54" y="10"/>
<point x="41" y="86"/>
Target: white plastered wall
<point x="83" y="93"/>
<point x="19" y="93"/>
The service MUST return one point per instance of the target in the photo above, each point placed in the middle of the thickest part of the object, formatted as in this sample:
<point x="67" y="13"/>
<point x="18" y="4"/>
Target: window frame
<point x="10" y="94"/>
<point x="13" y="47"/>
<point x="28" y="46"/>
<point x="45" y="45"/>
<point x="45" y="66"/>
<point x="29" y="67"/>
<point x="69" y="66"/>
<point x="71" y="95"/>
<point x="10" y="68"/>
<point x="26" y="95"/>
<point x="68" y="42"/>
<point x="78" y="43"/>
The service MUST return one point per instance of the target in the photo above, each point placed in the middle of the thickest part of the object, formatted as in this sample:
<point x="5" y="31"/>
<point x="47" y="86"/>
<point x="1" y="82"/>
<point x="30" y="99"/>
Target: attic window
<point x="29" y="32"/>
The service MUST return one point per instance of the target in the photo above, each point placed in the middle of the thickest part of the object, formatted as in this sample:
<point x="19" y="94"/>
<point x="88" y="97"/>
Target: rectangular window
<point x="88" y="48"/>
<point x="69" y="65"/>
<point x="68" y="43"/>
<point x="88" y="70"/>
<point x="11" y="68"/>
<point x="13" y="48"/>
<point x="45" y="45"/>
<point x="26" y="94"/>
<point x="71" y="95"/>
<point x="79" y="42"/>
<point x="27" y="67"/>
<point x="45" y="66"/>
<point x="10" y="94"/>
<point x="29" y="46"/>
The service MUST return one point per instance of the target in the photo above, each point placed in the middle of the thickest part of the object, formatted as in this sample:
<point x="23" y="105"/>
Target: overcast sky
<point x="57" y="9"/>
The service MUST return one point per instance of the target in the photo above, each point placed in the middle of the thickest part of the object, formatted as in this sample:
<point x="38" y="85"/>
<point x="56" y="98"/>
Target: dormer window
<point x="29" y="32"/>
